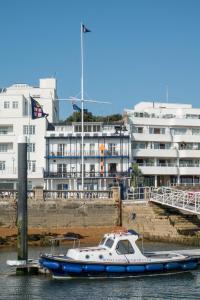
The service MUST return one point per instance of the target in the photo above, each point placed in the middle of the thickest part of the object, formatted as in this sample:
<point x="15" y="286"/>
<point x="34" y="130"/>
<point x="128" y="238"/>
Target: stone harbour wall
<point x="63" y="213"/>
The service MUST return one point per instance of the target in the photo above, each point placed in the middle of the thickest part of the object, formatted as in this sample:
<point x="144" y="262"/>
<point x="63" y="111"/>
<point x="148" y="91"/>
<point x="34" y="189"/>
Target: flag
<point x="37" y="111"/>
<point x="84" y="29"/>
<point x="76" y="107"/>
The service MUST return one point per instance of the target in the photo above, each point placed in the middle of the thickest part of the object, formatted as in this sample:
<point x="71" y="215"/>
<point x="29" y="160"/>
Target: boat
<point x="117" y="255"/>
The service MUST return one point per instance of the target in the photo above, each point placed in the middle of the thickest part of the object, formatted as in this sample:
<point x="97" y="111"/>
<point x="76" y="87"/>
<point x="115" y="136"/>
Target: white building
<point x="15" y="121"/>
<point x="106" y="156"/>
<point x="165" y="142"/>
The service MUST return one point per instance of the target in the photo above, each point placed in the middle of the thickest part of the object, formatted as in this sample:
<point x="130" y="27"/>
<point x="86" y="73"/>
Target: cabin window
<point x="109" y="243"/>
<point x="102" y="241"/>
<point x="124" y="247"/>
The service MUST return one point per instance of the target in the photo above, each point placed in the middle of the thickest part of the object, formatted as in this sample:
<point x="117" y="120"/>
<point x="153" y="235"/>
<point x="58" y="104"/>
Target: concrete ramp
<point x="188" y="201"/>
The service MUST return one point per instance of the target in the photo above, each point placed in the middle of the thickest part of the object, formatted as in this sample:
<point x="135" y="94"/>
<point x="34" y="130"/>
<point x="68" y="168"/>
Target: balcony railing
<point x="86" y="153"/>
<point x="86" y="174"/>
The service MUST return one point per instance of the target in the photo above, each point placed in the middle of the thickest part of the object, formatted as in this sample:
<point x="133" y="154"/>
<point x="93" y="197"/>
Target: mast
<point x="82" y="113"/>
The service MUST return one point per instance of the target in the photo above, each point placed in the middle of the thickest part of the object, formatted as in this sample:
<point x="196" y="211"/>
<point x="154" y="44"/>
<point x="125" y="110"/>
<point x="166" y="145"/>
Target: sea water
<point x="39" y="287"/>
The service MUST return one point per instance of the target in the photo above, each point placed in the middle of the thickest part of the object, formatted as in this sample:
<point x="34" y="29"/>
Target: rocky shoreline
<point x="42" y="236"/>
<point x="87" y="235"/>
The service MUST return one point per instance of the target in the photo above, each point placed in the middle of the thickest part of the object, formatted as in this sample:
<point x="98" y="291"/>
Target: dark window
<point x="124" y="247"/>
<point x="109" y="243"/>
<point x="102" y="241"/>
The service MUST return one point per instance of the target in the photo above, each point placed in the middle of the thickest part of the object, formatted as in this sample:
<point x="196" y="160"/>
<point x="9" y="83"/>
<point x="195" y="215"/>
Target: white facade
<point x="106" y="156"/>
<point x="15" y="121"/>
<point x="165" y="142"/>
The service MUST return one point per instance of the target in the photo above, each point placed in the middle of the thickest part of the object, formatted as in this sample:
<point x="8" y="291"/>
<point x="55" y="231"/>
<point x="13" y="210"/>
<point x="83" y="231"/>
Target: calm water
<point x="179" y="286"/>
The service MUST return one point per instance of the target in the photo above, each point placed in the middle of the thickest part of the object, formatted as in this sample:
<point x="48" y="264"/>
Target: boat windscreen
<point x="109" y="243"/>
<point x="102" y="241"/>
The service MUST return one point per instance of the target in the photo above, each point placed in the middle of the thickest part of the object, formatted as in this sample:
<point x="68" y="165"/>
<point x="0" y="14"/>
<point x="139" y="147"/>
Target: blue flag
<point x="76" y="107"/>
<point x="84" y="29"/>
<point x="37" y="111"/>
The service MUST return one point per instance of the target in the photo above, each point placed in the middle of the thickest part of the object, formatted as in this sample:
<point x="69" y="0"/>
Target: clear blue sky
<point x="136" y="49"/>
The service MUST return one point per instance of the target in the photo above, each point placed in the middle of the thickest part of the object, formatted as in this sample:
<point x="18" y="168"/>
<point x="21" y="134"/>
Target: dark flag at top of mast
<point x="84" y="29"/>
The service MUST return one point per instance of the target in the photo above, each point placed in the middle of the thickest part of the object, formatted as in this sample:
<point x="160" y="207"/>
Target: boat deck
<point x="185" y="252"/>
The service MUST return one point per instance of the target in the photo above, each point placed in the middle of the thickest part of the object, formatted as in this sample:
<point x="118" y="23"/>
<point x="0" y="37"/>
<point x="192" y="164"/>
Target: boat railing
<point x="56" y="241"/>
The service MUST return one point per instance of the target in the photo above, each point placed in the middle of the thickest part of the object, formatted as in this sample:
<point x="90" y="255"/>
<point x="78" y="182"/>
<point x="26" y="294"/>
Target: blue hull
<point x="64" y="269"/>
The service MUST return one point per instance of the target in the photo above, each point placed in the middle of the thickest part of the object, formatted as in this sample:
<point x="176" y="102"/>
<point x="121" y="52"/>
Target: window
<point x="3" y="147"/>
<point x="29" y="129"/>
<point x="102" y="241"/>
<point x="109" y="243"/>
<point x="137" y="129"/>
<point x="62" y="168"/>
<point x="2" y="165"/>
<point x="96" y="128"/>
<point x="6" y="104"/>
<point x="178" y="131"/>
<point x="124" y="247"/>
<point x="15" y="104"/>
<point x="92" y="147"/>
<point x="61" y="149"/>
<point x="153" y="130"/>
<point x="31" y="164"/>
<point x="112" y="149"/>
<point x="196" y="131"/>
<point x="77" y="128"/>
<point x="31" y="147"/>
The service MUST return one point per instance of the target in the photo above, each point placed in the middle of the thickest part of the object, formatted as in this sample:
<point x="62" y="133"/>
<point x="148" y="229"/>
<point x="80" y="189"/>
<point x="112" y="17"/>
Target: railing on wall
<point x="139" y="193"/>
<point x="74" y="194"/>
<point x="12" y="194"/>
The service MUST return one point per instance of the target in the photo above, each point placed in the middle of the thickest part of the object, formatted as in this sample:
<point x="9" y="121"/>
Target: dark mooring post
<point x="22" y="245"/>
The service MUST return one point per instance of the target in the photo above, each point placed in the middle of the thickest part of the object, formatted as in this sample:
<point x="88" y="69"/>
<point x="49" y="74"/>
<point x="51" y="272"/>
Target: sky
<point x="136" y="50"/>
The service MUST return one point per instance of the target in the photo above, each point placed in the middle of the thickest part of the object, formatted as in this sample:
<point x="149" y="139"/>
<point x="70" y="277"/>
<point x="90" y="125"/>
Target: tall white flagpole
<point x="82" y="113"/>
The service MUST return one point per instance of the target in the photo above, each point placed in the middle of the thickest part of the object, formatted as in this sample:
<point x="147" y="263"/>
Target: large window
<point x="109" y="243"/>
<point x="6" y="104"/>
<point x="2" y="165"/>
<point x="178" y="131"/>
<point x="196" y="131"/>
<point x="137" y="129"/>
<point x="15" y="104"/>
<point x="31" y="147"/>
<point x="61" y="149"/>
<point x="29" y="129"/>
<point x="112" y="149"/>
<point x="62" y="168"/>
<point x="3" y="147"/>
<point x="31" y="165"/>
<point x="154" y="130"/>
<point x="124" y="247"/>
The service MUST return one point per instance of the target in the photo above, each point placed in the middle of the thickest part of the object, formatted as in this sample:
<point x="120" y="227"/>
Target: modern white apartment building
<point x="106" y="156"/>
<point x="165" y="142"/>
<point x="15" y="121"/>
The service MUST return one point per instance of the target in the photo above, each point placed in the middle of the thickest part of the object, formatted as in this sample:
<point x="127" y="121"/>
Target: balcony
<point x="168" y="169"/>
<point x="154" y="153"/>
<point x="189" y="153"/>
<point x="71" y="175"/>
<point x="146" y="137"/>
<point x="87" y="154"/>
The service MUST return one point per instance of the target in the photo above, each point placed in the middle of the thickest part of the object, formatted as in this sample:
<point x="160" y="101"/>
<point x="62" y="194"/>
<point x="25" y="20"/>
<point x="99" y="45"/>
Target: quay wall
<point x="63" y="213"/>
<point x="150" y="220"/>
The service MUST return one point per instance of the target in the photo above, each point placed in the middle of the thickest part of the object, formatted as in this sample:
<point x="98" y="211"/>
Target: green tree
<point x="136" y="175"/>
<point x="89" y="117"/>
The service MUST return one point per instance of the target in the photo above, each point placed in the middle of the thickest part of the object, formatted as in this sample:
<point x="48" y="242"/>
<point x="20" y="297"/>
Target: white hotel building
<point x="106" y="156"/>
<point x="165" y="142"/>
<point x="15" y="121"/>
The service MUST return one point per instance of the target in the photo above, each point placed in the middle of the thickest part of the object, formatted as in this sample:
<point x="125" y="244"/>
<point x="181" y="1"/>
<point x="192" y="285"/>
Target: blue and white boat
<point x="116" y="255"/>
